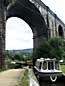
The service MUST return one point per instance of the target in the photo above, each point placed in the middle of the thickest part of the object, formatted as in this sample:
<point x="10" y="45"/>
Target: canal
<point x="52" y="84"/>
<point x="59" y="82"/>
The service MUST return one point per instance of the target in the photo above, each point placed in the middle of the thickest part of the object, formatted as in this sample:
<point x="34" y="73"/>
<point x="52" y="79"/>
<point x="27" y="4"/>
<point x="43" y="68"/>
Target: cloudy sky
<point x="18" y="32"/>
<point x="57" y="6"/>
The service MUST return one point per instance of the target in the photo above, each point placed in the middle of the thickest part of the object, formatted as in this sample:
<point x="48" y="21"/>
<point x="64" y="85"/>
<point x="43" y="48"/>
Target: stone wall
<point x="51" y="19"/>
<point x="2" y="33"/>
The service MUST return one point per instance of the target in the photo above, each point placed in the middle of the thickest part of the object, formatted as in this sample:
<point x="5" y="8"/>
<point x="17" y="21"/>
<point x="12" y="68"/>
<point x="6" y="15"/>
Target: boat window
<point x="38" y="65"/>
<point x="50" y="66"/>
<point x="44" y="65"/>
<point x="56" y="65"/>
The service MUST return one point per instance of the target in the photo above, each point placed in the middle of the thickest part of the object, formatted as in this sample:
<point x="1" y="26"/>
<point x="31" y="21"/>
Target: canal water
<point x="59" y="82"/>
<point x="52" y="84"/>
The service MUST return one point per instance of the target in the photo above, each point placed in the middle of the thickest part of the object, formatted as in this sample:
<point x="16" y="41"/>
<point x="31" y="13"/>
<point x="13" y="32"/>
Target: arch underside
<point x="31" y="15"/>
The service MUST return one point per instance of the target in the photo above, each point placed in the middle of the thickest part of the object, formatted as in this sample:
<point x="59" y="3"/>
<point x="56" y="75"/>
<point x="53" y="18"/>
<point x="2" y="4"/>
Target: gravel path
<point x="10" y="77"/>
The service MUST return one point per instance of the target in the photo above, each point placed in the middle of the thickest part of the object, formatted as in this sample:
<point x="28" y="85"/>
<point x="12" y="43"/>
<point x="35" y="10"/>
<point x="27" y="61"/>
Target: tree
<point x="50" y="48"/>
<point x="17" y="57"/>
<point x="26" y="56"/>
<point x="57" y="44"/>
<point x="43" y="49"/>
<point x="9" y="55"/>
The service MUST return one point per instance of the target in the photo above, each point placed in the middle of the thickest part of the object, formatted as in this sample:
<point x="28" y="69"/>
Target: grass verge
<point x="25" y="79"/>
<point x="63" y="68"/>
<point x="2" y="69"/>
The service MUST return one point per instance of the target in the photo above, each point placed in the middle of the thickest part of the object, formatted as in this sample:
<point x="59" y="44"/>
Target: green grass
<point x="25" y="80"/>
<point x="63" y="68"/>
<point x="2" y="69"/>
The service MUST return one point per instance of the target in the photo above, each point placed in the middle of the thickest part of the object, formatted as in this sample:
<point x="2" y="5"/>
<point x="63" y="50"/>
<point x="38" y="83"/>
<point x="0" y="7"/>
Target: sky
<point x="57" y="6"/>
<point x="18" y="32"/>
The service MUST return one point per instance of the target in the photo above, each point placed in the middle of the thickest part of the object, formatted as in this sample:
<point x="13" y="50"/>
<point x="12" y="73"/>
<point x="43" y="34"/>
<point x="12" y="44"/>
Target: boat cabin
<point x="48" y="64"/>
<point x="48" y="67"/>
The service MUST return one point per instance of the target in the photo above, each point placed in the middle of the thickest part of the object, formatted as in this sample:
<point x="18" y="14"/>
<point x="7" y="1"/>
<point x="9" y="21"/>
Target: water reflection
<point x="52" y="84"/>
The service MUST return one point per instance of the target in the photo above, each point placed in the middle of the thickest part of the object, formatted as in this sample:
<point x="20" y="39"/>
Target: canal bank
<point x="33" y="79"/>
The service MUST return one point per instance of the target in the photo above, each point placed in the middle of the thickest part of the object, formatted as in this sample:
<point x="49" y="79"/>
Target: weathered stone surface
<point x="2" y="33"/>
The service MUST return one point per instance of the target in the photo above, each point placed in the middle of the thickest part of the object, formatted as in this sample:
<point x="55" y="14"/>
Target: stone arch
<point x="60" y="30"/>
<point x="27" y="11"/>
<point x="30" y="14"/>
<point x="20" y="30"/>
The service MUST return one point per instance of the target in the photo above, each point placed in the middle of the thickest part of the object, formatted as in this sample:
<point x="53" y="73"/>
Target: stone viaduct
<point x="55" y="26"/>
<point x="43" y="22"/>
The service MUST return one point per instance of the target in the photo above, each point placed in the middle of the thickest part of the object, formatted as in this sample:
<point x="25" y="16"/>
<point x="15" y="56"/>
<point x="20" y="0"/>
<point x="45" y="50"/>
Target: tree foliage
<point x="50" y="48"/>
<point x="57" y="45"/>
<point x="43" y="49"/>
<point x="19" y="57"/>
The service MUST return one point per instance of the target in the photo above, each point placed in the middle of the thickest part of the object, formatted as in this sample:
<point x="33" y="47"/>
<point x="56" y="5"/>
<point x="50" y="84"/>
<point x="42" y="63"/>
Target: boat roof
<point x="46" y="59"/>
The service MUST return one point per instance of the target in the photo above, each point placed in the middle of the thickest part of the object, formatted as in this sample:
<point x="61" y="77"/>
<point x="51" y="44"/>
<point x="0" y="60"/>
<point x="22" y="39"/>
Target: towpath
<point x="11" y="77"/>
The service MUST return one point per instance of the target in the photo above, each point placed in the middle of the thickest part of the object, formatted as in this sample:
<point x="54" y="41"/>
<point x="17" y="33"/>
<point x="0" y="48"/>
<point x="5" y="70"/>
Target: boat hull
<point x="46" y="75"/>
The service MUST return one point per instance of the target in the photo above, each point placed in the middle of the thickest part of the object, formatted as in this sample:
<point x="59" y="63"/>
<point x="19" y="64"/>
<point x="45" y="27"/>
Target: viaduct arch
<point x="60" y="30"/>
<point x="43" y="22"/>
<point x="27" y="11"/>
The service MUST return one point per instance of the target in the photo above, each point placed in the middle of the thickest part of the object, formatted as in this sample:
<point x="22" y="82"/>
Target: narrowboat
<point x="47" y="69"/>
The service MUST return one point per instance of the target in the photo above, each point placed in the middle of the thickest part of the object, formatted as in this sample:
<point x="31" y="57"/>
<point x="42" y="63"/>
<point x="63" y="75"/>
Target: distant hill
<point x="24" y="51"/>
<point x="30" y="50"/>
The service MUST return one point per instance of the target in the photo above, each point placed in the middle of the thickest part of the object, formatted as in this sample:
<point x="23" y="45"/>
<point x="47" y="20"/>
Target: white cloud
<point x="57" y="6"/>
<point x="18" y="34"/>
